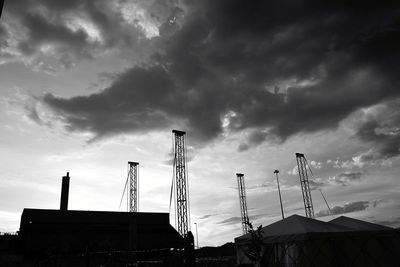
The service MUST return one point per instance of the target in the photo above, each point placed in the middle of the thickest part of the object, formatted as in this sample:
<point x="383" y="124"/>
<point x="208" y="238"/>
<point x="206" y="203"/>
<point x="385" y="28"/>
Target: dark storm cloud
<point x="388" y="142"/>
<point x="74" y="30"/>
<point x="4" y="43"/>
<point x="234" y="220"/>
<point x="255" y="138"/>
<point x="126" y="105"/>
<point x="267" y="185"/>
<point x="41" y="31"/>
<point x="346" y="177"/>
<point x="190" y="155"/>
<point x="351" y="176"/>
<point x="33" y="115"/>
<point x="316" y="184"/>
<point x="275" y="69"/>
<point x="346" y="208"/>
<point x="41" y="23"/>
<point x="382" y="130"/>
<point x="206" y="216"/>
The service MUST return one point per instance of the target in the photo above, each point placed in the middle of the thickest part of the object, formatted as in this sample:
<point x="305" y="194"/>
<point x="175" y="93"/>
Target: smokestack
<point x="64" y="192"/>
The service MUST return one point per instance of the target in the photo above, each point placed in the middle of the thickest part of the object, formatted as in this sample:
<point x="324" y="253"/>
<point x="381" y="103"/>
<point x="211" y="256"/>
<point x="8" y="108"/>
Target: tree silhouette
<point x="255" y="251"/>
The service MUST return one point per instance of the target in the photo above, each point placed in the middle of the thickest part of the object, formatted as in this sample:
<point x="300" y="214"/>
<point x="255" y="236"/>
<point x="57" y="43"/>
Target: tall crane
<point x="181" y="183"/>
<point x="279" y="190"/>
<point x="133" y="188"/>
<point x="243" y="202"/>
<point x="302" y="165"/>
<point x="326" y="202"/>
<point x="132" y="196"/>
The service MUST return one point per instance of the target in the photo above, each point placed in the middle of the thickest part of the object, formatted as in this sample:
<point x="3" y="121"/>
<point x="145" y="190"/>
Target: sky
<point x="86" y="86"/>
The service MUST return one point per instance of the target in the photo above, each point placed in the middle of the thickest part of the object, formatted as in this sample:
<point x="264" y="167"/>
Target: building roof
<point x="359" y="225"/>
<point x="82" y="216"/>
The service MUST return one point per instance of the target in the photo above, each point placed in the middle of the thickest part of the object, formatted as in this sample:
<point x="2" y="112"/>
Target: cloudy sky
<point x="86" y="86"/>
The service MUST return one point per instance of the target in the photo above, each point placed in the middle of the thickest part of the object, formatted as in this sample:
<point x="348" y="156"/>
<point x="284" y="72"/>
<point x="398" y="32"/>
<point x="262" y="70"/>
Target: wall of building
<point x="55" y="231"/>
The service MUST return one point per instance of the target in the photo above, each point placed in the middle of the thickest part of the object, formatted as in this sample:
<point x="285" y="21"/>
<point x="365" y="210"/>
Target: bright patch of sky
<point x="76" y="23"/>
<point x="135" y="14"/>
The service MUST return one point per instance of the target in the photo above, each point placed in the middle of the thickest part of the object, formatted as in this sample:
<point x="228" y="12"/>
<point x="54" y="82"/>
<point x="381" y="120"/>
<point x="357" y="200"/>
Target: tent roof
<point x="295" y="227"/>
<point x="359" y="225"/>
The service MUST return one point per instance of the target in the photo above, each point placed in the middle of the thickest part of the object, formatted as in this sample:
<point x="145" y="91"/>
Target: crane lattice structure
<point x="279" y="190"/>
<point x="243" y="203"/>
<point x="305" y="186"/>
<point x="133" y="174"/>
<point x="182" y="187"/>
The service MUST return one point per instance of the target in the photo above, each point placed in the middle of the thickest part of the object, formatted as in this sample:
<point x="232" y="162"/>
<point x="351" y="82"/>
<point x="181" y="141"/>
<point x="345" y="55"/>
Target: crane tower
<point x="305" y="186"/>
<point x="182" y="192"/>
<point x="133" y="176"/>
<point x="279" y="190"/>
<point x="243" y="203"/>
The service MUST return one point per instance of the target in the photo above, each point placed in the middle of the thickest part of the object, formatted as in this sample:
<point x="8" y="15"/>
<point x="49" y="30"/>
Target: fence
<point x="147" y="258"/>
<point x="8" y="233"/>
<point x="143" y="258"/>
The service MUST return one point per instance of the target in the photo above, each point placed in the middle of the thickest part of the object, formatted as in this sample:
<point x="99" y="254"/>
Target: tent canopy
<point x="295" y="227"/>
<point x="301" y="241"/>
<point x="359" y="225"/>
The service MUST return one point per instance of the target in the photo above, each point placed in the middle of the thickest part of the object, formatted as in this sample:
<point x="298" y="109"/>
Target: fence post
<point x="190" y="258"/>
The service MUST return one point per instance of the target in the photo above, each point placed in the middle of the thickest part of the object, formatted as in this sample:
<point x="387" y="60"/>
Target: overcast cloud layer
<point x="86" y="86"/>
<point x="218" y="66"/>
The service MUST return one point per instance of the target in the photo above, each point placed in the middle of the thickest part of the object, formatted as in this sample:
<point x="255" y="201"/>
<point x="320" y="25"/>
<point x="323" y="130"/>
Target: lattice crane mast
<point x="132" y="196"/>
<point x="133" y="186"/>
<point x="243" y="203"/>
<point x="302" y="165"/>
<point x="181" y="184"/>
<point x="279" y="191"/>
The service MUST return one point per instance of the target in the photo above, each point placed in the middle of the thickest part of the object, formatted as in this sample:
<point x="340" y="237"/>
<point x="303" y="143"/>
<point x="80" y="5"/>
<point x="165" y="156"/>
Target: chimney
<point x="64" y="192"/>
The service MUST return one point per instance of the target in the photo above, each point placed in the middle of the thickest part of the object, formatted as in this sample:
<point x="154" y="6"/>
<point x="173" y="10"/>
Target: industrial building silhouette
<point x="50" y="232"/>
<point x="47" y="234"/>
<point x="49" y="237"/>
<point x="67" y="231"/>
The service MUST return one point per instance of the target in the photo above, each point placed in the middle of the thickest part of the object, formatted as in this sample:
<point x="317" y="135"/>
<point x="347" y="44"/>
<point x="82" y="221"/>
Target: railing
<point x="8" y="233"/>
